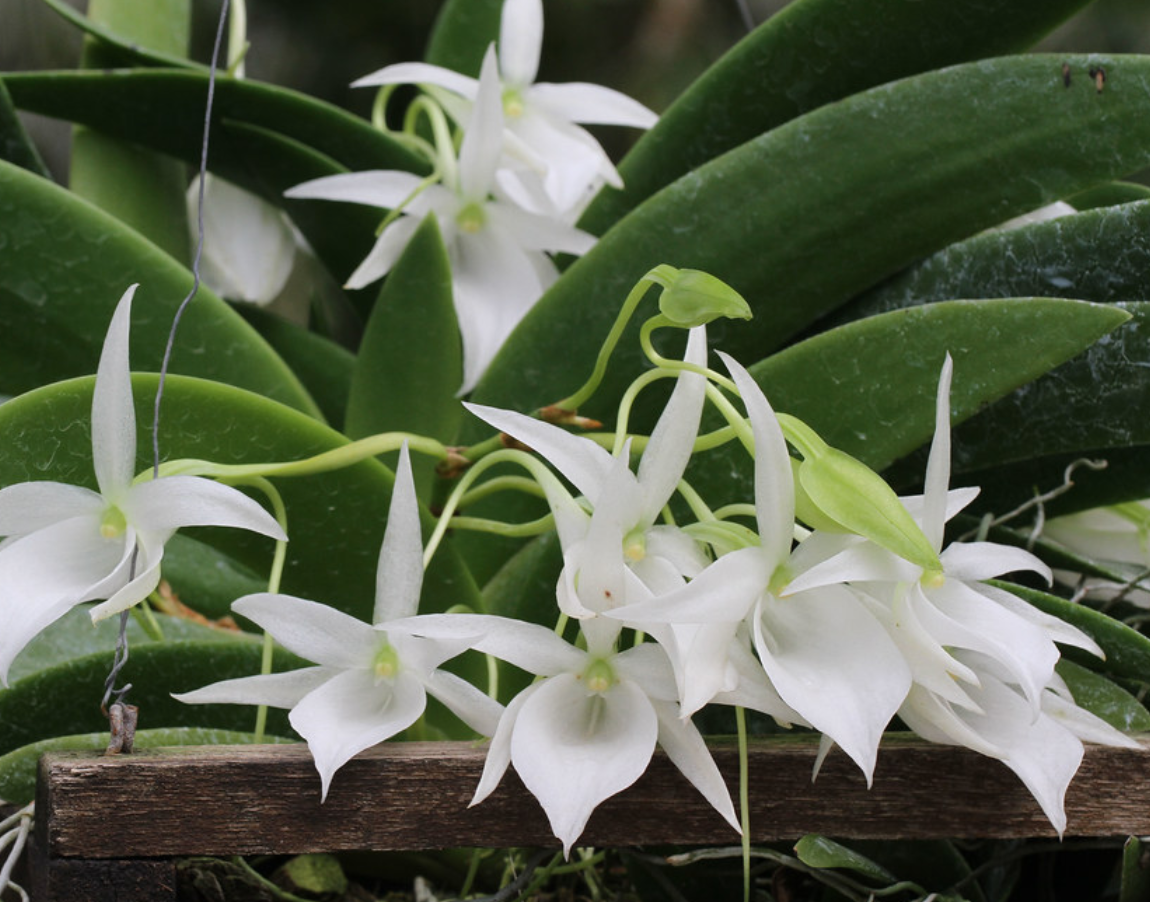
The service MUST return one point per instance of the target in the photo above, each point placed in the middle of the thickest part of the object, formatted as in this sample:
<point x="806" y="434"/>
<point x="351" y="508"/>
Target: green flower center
<point x="113" y="523"/>
<point x="472" y="217"/>
<point x="635" y="545"/>
<point x="386" y="662"/>
<point x="599" y="676"/>
<point x="513" y="104"/>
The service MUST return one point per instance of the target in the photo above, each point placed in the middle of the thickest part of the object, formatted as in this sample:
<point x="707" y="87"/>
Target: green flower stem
<point x="696" y="503"/>
<point x="444" y="143"/>
<point x="508" y="530"/>
<point x="237" y="37"/>
<point x="535" y="467"/>
<point x="501" y="484"/>
<point x="744" y="800"/>
<point x="737" y="422"/>
<point x="654" y="277"/>
<point x="146" y="617"/>
<point x="740" y="509"/>
<point x="335" y="459"/>
<point x="274" y="578"/>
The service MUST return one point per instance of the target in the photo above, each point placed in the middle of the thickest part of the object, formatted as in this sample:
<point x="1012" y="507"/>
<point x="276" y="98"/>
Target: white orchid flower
<point x="541" y="116"/>
<point x="249" y="245"/>
<point x="824" y="652"/>
<point x="498" y="265"/>
<point x="1118" y="535"/>
<point x="371" y="681"/>
<point x="587" y="730"/>
<point x="67" y="544"/>
<point x="982" y="660"/>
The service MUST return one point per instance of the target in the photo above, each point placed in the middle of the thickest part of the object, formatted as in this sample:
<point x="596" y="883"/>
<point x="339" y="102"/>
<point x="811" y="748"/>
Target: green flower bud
<point x="694" y="298"/>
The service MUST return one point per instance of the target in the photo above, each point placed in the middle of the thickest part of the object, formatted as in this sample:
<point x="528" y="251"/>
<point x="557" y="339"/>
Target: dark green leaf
<point x="64" y="266"/>
<point x="322" y="366"/>
<point x="409" y="365"/>
<point x="463" y="31"/>
<point x="15" y="145"/>
<point x="811" y="53"/>
<point x="1110" y="194"/>
<point x="164" y="110"/>
<point x="996" y="346"/>
<point x="1135" y="871"/>
<point x="65" y="699"/>
<point x="1127" y="651"/>
<point x="820" y="852"/>
<point x="786" y="221"/>
<point x="1104" y="699"/>
<point x="116" y="48"/>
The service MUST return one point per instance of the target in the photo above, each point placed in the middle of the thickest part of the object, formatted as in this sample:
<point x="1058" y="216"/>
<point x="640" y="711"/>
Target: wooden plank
<point x="100" y="880"/>
<point x="401" y="796"/>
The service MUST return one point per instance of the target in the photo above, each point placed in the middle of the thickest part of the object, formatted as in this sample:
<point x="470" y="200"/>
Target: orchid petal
<point x="483" y="139"/>
<point x="311" y="630"/>
<point x="388" y="248"/>
<point x="143" y="555"/>
<point x="399" y="575"/>
<point x="573" y="749"/>
<point x="113" y="412"/>
<point x="480" y="712"/>
<point x="173" y="502"/>
<point x="351" y="712"/>
<point x="684" y="745"/>
<point x="276" y="690"/>
<point x="528" y="646"/>
<point x="672" y="441"/>
<point x="1058" y="630"/>
<point x="833" y="662"/>
<point x="590" y="104"/>
<point x="420" y="74"/>
<point x="499" y="751"/>
<point x="539" y="233"/>
<point x="29" y="506"/>
<point x="974" y="561"/>
<point x="494" y="283"/>
<point x="938" y="464"/>
<point x="520" y="40"/>
<point x="724" y="592"/>
<point x="774" y="482"/>
<point x="375" y="188"/>
<point x="44" y="574"/>
<point x="580" y="460"/>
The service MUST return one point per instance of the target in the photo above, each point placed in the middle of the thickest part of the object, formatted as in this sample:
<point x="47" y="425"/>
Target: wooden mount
<point x="161" y="804"/>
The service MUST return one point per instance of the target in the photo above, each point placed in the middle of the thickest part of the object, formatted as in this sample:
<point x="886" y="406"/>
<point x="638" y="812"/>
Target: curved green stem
<point x="744" y="800"/>
<point x="508" y="530"/>
<point x="501" y="484"/>
<point x="335" y="459"/>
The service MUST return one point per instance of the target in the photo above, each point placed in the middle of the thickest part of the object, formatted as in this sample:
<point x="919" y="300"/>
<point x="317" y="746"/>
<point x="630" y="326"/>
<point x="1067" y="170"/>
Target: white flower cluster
<point x="525" y="171"/>
<point x="828" y="628"/>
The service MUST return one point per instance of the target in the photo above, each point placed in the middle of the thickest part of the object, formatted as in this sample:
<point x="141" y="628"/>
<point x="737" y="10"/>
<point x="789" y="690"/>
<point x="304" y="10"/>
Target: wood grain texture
<point x="397" y="796"/>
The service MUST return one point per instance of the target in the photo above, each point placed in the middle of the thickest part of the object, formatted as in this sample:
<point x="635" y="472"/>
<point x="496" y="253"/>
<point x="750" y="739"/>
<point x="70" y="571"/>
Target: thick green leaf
<point x="322" y="366"/>
<point x="15" y="145"/>
<point x="410" y="362"/>
<point x="809" y="54"/>
<point x="164" y="110"/>
<point x="462" y="33"/>
<point x="1127" y="651"/>
<point x="804" y="217"/>
<point x="820" y="852"/>
<point x="74" y="636"/>
<point x="18" y="767"/>
<point x="1135" y="871"/>
<point x="869" y="387"/>
<point x="65" y="699"/>
<point x="142" y="189"/>
<point x="335" y="520"/>
<point x="64" y="266"/>
<point x="1104" y="699"/>
<point x="205" y="579"/>
<point x="117" y="48"/>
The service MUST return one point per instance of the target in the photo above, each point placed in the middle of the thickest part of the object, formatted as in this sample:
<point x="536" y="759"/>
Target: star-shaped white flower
<point x="824" y="652"/>
<point x="496" y="249"/>
<point x="67" y="544"/>
<point x="371" y="681"/>
<point x="588" y="728"/>
<point x="541" y="116"/>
